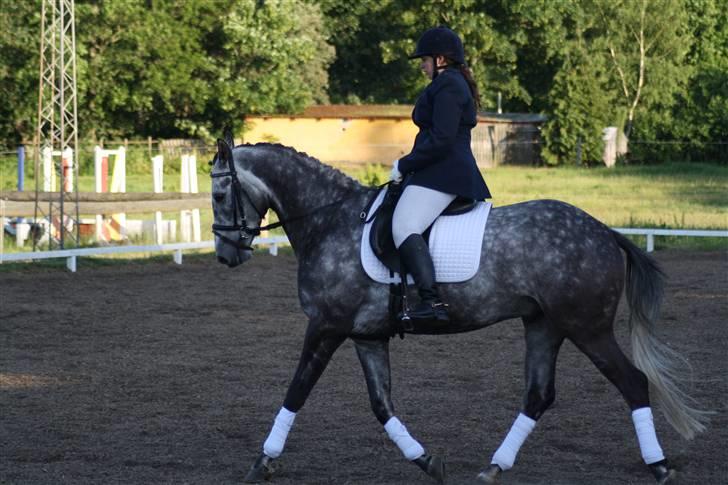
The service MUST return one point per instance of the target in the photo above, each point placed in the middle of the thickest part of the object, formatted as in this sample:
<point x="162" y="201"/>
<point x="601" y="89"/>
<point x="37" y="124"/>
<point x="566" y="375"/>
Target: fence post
<point x="650" y="242"/>
<point x="158" y="177"/>
<point x="609" y="137"/>
<point x="21" y="168"/>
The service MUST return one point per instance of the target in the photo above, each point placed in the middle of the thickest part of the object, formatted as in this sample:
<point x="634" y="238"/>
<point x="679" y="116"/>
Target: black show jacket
<point x="441" y="158"/>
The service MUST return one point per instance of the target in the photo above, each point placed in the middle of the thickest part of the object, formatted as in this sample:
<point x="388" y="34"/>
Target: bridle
<point x="246" y="234"/>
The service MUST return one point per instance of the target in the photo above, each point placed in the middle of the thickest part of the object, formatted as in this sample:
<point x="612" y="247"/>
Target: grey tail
<point x="645" y="287"/>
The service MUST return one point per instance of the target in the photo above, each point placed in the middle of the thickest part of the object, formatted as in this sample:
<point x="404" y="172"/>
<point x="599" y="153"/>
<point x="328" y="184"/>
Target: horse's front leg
<point x="374" y="358"/>
<point x="318" y="347"/>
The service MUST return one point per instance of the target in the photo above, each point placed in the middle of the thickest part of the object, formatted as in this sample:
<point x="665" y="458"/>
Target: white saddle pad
<point x="455" y="245"/>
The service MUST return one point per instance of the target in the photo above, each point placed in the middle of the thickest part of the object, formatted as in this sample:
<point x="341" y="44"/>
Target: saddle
<point x="380" y="236"/>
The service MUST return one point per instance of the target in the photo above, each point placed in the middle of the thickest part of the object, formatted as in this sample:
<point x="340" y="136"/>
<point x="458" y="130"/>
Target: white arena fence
<point x="71" y="255"/>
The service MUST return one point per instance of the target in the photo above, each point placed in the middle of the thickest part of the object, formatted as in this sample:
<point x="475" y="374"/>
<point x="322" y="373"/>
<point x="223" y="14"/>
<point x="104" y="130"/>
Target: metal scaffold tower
<point x="56" y="219"/>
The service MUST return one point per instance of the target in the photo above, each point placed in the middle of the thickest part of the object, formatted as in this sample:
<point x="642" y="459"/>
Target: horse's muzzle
<point x="233" y="258"/>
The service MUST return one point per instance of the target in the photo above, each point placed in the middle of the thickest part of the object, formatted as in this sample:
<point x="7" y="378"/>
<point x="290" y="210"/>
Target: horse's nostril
<point x="222" y="260"/>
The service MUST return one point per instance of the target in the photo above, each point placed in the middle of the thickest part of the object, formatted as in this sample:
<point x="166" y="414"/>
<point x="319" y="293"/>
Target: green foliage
<point x="19" y="26"/>
<point x="372" y="175"/>
<point x="165" y="68"/>
<point x="171" y="69"/>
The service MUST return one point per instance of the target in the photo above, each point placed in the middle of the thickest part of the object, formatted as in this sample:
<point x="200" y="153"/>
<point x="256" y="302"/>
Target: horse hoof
<point x="662" y="473"/>
<point x="489" y="475"/>
<point x="434" y="466"/>
<point x="261" y="470"/>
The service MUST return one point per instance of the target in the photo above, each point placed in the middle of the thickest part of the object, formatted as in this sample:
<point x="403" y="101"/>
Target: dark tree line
<point x="656" y="68"/>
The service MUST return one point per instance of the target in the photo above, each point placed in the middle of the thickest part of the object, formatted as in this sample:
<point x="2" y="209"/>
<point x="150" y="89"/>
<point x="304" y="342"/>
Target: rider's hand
<point x="395" y="176"/>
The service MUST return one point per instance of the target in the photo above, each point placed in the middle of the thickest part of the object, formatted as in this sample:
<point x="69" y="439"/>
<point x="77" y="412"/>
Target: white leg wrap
<point x="645" y="427"/>
<point x="411" y="449"/>
<point x="505" y="456"/>
<point x="273" y="446"/>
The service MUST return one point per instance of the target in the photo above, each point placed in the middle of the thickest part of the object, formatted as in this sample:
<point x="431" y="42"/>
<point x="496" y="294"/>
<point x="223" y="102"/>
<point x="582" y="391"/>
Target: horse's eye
<point x="218" y="197"/>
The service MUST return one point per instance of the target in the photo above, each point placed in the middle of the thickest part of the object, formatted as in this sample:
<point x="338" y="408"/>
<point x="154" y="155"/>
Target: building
<point x="355" y="135"/>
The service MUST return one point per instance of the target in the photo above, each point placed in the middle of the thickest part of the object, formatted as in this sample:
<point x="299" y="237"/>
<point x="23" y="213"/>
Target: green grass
<point x="676" y="196"/>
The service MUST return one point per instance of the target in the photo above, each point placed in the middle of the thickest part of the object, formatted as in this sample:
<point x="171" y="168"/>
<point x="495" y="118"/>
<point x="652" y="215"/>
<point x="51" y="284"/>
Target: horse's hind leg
<point x="317" y="352"/>
<point x="543" y="342"/>
<point x="605" y="353"/>
<point x="374" y="358"/>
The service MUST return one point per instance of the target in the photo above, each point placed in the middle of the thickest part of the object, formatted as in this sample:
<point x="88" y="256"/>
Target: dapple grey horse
<point x="554" y="266"/>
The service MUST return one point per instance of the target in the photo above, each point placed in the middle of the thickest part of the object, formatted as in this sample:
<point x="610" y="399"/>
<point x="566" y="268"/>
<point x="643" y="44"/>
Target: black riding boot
<point x="415" y="256"/>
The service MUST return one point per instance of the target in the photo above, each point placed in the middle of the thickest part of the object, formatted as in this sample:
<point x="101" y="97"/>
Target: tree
<point x="579" y="103"/>
<point x="646" y="42"/>
<point x="19" y="24"/>
<point x="372" y="52"/>
<point x="168" y="68"/>
<point x="701" y="113"/>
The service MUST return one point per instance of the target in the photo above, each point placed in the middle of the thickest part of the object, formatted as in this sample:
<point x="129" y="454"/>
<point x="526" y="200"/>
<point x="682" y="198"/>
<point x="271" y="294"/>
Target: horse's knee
<point x="537" y="401"/>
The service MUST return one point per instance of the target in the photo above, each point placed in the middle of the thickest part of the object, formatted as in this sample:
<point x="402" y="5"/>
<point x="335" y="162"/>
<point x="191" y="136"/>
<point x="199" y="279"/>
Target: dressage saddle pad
<point x="455" y="245"/>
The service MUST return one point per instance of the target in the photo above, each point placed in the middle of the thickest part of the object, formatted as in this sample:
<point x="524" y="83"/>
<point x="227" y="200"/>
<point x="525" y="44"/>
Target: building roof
<point x="394" y="111"/>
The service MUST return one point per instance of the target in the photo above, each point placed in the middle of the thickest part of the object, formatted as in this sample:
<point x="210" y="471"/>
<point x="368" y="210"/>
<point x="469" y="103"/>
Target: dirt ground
<point x="158" y="373"/>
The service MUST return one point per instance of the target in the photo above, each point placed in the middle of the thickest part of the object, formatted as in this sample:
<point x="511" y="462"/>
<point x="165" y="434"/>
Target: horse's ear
<point x="227" y="134"/>
<point x="224" y="152"/>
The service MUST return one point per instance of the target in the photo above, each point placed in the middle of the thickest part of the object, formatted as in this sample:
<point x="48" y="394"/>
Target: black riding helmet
<point x="440" y="41"/>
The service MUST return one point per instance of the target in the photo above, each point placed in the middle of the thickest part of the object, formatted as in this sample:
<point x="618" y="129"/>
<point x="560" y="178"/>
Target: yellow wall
<point x="336" y="140"/>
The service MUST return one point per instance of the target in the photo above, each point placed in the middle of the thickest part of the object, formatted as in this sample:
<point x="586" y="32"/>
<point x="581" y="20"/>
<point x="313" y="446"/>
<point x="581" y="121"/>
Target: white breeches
<point x="417" y="209"/>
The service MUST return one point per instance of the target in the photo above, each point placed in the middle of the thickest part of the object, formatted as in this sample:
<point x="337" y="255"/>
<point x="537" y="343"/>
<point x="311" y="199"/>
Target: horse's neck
<point x="299" y="186"/>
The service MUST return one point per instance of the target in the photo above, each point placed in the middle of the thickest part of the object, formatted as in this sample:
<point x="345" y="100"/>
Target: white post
<point x="118" y="184"/>
<point x="22" y="230"/>
<point x="185" y="216"/>
<point x="158" y="173"/>
<point x="650" y="242"/>
<point x="49" y="174"/>
<point x="98" y="160"/>
<point x="71" y="263"/>
<point x="158" y="177"/>
<point x="185" y="176"/>
<point x="100" y="228"/>
<point x="192" y="172"/>
<point x="178" y="256"/>
<point x="609" y="136"/>
<point x="118" y="178"/>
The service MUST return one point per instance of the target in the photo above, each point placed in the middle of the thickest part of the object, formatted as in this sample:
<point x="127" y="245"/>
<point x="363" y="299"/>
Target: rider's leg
<point x="317" y="351"/>
<point x="543" y="342"/>
<point x="417" y="209"/>
<point x="374" y="358"/>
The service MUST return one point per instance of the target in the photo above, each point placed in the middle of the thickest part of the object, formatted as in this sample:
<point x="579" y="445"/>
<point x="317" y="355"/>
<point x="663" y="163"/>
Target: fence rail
<point x="651" y="233"/>
<point x="71" y="255"/>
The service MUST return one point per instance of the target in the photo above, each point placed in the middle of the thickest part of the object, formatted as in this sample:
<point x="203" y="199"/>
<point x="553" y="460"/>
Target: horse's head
<point x="237" y="214"/>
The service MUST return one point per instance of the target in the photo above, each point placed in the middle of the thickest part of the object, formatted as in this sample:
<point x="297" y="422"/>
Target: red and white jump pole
<point x="115" y="229"/>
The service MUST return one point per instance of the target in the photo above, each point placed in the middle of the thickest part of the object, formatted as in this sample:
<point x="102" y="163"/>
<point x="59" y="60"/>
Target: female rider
<point x="441" y="165"/>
